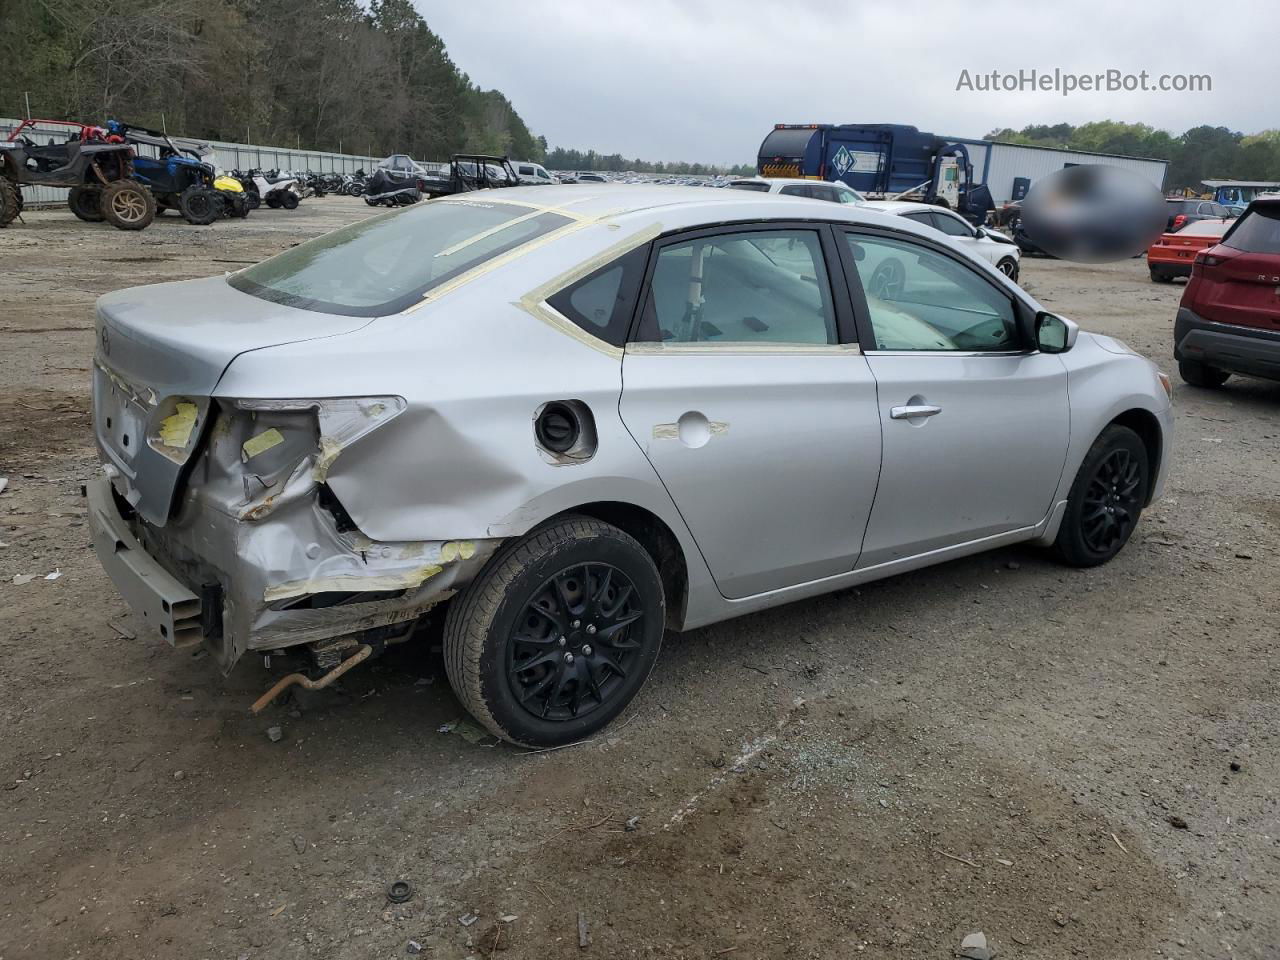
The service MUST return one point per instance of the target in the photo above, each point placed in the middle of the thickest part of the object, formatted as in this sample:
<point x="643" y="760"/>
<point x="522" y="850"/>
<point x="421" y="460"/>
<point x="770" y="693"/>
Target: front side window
<point x="756" y="287"/>
<point x="382" y="265"/>
<point x="951" y="226"/>
<point x="918" y="299"/>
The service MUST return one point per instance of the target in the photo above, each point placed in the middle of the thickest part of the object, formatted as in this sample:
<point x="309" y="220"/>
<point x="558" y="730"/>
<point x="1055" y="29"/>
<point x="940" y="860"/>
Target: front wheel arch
<point x="1147" y="427"/>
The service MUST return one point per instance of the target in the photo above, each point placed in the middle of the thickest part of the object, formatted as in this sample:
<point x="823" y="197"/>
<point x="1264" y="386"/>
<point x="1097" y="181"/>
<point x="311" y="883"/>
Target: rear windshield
<point x="1183" y="206"/>
<point x="1258" y="231"/>
<point x="1205" y="228"/>
<point x="384" y="264"/>
<point x="750" y="185"/>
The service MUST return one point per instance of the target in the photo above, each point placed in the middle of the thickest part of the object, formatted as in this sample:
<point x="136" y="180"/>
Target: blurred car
<point x="982" y="242"/>
<point x="1182" y="212"/>
<point x="1229" y="318"/>
<point x="1172" y="254"/>
<point x="590" y="178"/>
<point x="791" y="187"/>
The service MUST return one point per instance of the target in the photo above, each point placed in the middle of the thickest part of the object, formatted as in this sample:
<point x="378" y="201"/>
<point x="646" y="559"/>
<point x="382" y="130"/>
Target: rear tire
<point x="1201" y="374"/>
<point x="127" y="205"/>
<point x="1106" y="499"/>
<point x="199" y="205"/>
<point x="1159" y="276"/>
<point x="1009" y="267"/>
<point x="10" y="202"/>
<point x="289" y="201"/>
<point x="85" y="203"/>
<point x="272" y="201"/>
<point x="557" y="634"/>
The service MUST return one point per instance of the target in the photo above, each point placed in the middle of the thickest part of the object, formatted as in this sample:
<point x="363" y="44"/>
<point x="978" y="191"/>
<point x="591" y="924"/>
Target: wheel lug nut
<point x="591" y="628"/>
<point x="563" y="641"/>
<point x="568" y="657"/>
<point x="586" y="649"/>
<point x="576" y="624"/>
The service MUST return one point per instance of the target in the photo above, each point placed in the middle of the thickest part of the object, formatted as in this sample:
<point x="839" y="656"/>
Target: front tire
<point x="1201" y="374"/>
<point x="558" y="633"/>
<point x="10" y="201"/>
<point x="127" y="205"/>
<point x="1009" y="267"/>
<point x="85" y="203"/>
<point x="1106" y="499"/>
<point x="199" y="205"/>
<point x="289" y="201"/>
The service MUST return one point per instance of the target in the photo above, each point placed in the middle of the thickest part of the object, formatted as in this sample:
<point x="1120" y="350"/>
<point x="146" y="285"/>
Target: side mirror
<point x="979" y="232"/>
<point x="1055" y="334"/>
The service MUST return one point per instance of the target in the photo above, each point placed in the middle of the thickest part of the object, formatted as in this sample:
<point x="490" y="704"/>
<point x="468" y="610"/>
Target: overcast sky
<point x="703" y="81"/>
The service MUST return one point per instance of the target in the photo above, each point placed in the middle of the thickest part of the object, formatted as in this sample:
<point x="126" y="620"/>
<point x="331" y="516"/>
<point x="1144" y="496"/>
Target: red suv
<point x="1229" y="318"/>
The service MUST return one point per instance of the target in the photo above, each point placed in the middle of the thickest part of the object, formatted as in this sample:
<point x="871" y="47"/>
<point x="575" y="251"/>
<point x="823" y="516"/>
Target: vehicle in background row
<point x="395" y="182"/>
<point x="178" y="179"/>
<point x="1182" y="212"/>
<point x="1229" y="318"/>
<point x="646" y="408"/>
<point x="273" y="187"/>
<point x="589" y="178"/>
<point x="471" y="171"/>
<point x="98" y="173"/>
<point x="982" y="242"/>
<point x="882" y="161"/>
<point x="794" y="187"/>
<point x="530" y="173"/>
<point x="1173" y="253"/>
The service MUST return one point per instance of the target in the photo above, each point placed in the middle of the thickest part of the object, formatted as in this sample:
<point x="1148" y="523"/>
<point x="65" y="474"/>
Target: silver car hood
<point x="161" y="351"/>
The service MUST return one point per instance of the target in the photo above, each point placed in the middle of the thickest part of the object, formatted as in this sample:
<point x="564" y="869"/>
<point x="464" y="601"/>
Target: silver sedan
<point x="553" y="423"/>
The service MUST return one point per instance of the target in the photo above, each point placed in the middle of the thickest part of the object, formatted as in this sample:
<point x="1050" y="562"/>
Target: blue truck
<point x="879" y="160"/>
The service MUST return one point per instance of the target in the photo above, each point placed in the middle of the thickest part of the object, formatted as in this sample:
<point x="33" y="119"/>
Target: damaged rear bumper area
<point x="289" y="578"/>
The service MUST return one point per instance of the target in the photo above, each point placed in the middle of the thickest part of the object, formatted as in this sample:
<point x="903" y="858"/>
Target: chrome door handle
<point x="913" y="411"/>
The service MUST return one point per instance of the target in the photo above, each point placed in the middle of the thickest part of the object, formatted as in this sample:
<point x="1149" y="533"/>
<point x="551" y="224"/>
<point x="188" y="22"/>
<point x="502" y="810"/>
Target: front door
<point x="975" y="421"/>
<point x="761" y="423"/>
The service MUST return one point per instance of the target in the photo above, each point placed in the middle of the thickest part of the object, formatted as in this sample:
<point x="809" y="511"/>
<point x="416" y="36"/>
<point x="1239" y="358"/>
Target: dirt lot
<point x="1077" y="763"/>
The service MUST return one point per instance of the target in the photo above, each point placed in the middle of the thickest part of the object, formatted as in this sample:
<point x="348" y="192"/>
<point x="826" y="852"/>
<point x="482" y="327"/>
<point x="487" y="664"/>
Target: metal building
<point x="1009" y="169"/>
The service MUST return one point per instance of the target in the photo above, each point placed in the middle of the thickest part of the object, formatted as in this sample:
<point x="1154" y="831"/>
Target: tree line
<point x="315" y="74"/>
<point x="1201" y="153"/>
<point x="565" y="159"/>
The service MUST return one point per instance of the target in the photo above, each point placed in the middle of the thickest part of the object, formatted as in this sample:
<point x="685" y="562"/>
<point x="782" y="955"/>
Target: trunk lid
<point x="161" y="351"/>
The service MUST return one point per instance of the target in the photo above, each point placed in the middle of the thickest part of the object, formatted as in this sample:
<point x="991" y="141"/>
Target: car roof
<point x="899" y="207"/>
<point x="678" y="207"/>
<point x="782" y="181"/>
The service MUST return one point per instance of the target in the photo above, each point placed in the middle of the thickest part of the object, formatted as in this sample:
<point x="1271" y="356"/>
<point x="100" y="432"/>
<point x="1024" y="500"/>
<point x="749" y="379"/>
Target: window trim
<point x="1023" y="315"/>
<point x="838" y="289"/>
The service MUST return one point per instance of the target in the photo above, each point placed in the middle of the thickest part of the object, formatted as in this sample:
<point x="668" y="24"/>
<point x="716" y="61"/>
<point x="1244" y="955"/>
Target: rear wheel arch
<point x="1145" y="424"/>
<point x="658" y="540"/>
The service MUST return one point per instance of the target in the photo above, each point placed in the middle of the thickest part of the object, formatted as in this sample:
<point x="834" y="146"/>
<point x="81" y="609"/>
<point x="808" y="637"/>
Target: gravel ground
<point x="1076" y="763"/>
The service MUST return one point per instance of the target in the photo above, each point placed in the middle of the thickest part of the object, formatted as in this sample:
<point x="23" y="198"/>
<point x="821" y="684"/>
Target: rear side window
<point x="797" y="190"/>
<point x="1258" y="231"/>
<point x="602" y="303"/>
<point x="384" y="264"/>
<point x="757" y="287"/>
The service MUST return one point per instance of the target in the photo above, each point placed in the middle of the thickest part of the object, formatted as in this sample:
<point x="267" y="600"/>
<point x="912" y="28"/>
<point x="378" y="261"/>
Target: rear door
<point x="975" y="422"/>
<point x="744" y="388"/>
<point x="1244" y="288"/>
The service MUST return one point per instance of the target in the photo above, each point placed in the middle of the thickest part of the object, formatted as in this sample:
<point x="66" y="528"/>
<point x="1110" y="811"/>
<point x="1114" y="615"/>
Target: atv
<point x="97" y="171"/>
<point x="179" y="178"/>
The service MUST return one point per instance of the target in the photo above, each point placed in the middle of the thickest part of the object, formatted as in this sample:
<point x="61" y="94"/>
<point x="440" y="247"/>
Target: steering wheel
<point x="888" y="280"/>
